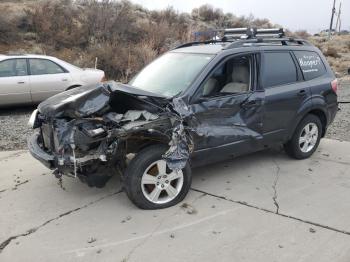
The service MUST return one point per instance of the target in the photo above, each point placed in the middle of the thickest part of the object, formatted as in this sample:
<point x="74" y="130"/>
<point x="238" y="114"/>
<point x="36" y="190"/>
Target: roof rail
<point x="267" y="41"/>
<point x="199" y="43"/>
<point x="239" y="37"/>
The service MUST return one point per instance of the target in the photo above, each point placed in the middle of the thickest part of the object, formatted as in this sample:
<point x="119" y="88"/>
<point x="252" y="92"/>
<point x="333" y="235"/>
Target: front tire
<point x="306" y="138"/>
<point x="150" y="184"/>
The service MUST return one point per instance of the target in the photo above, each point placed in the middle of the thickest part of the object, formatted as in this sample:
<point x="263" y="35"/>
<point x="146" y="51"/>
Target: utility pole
<point x="332" y="17"/>
<point x="339" y="18"/>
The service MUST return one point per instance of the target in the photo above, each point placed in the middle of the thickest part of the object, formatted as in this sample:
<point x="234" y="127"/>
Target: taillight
<point x="334" y="85"/>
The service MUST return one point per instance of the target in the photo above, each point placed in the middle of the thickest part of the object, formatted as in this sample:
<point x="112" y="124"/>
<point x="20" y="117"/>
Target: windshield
<point x="170" y="74"/>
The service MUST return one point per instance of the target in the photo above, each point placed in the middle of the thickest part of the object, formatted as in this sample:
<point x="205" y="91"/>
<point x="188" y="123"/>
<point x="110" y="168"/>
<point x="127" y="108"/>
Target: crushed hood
<point x="87" y="100"/>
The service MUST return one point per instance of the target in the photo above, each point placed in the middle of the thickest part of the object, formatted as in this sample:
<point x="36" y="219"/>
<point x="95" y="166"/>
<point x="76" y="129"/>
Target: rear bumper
<point x="332" y="111"/>
<point x="38" y="153"/>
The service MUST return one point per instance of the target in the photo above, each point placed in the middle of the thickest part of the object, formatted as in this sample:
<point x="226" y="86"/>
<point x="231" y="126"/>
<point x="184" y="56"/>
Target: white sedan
<point x="30" y="79"/>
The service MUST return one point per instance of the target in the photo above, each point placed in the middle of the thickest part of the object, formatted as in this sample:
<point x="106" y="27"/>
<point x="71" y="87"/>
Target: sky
<point x="312" y="15"/>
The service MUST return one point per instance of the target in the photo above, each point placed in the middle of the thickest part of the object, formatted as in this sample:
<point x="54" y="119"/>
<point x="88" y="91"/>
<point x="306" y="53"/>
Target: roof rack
<point x="239" y="37"/>
<point x="248" y="33"/>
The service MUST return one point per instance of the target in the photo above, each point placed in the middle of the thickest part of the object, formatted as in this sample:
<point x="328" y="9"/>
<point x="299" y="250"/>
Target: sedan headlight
<point x="33" y="119"/>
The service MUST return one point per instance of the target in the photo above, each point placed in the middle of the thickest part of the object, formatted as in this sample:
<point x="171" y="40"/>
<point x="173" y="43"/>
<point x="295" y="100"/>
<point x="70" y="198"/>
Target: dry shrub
<point x="119" y="61"/>
<point x="331" y="51"/>
<point x="58" y="23"/>
<point x="123" y="36"/>
<point x="301" y="34"/>
<point x="207" y="13"/>
<point x="8" y="30"/>
<point x="347" y="44"/>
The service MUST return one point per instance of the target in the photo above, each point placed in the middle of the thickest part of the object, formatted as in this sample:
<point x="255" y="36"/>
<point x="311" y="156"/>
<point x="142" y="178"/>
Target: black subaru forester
<point x="199" y="103"/>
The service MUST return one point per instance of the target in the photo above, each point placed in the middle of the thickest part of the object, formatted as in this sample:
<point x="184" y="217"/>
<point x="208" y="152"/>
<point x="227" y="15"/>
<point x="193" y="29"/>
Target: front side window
<point x="13" y="67"/>
<point x="278" y="69"/>
<point x="231" y="77"/>
<point x="311" y="64"/>
<point x="44" y="67"/>
<point x="171" y="74"/>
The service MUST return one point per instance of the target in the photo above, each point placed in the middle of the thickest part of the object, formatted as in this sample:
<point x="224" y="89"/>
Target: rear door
<point x="285" y="93"/>
<point x="228" y="111"/>
<point x="14" y="82"/>
<point x="47" y="79"/>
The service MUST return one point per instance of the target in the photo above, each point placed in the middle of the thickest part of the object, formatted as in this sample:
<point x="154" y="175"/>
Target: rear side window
<point x="311" y="64"/>
<point x="13" y="67"/>
<point x="44" y="67"/>
<point x="278" y="69"/>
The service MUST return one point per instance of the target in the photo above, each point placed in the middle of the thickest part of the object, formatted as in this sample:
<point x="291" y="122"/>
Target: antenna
<point x="332" y="17"/>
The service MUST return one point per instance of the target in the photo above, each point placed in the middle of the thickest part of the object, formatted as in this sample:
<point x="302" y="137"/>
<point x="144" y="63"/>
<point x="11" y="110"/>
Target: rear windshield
<point x="171" y="74"/>
<point x="310" y="64"/>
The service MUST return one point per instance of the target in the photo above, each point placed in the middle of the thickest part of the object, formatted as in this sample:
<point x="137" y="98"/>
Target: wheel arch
<point x="318" y="111"/>
<point x="139" y="141"/>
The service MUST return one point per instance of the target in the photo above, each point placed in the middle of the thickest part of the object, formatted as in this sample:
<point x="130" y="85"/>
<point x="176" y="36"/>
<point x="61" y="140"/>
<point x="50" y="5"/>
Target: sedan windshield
<point x="170" y="74"/>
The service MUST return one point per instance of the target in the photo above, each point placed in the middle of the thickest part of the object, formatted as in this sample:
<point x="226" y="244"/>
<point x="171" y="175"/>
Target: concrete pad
<point x="315" y="189"/>
<point x="230" y="215"/>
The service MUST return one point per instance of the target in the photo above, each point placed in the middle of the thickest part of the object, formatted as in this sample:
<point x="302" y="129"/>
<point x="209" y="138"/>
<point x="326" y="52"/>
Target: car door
<point x="285" y="93"/>
<point x="14" y="82"/>
<point x="47" y="79"/>
<point x="228" y="110"/>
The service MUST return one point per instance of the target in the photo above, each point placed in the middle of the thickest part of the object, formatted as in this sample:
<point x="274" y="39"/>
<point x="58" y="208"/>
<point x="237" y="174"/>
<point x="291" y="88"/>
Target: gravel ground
<point x="14" y="129"/>
<point x="340" y="128"/>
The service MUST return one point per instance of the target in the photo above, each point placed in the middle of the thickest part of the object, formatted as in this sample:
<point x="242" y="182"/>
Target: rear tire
<point x="305" y="139"/>
<point x="150" y="184"/>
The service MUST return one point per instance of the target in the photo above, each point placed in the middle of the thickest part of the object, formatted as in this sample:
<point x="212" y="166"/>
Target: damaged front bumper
<point x="38" y="153"/>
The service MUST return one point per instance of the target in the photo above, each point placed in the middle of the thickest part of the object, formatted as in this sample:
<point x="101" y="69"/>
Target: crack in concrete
<point x="5" y="243"/>
<point x="21" y="183"/>
<point x="15" y="187"/>
<point x="274" y="187"/>
<point x="133" y="250"/>
<point x="274" y="213"/>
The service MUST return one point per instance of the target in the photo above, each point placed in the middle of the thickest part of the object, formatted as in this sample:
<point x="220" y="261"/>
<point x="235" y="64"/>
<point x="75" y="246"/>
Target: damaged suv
<point x="199" y="103"/>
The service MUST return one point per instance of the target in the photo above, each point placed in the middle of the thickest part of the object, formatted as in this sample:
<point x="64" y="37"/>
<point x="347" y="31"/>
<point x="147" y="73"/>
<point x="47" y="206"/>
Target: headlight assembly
<point x="33" y="123"/>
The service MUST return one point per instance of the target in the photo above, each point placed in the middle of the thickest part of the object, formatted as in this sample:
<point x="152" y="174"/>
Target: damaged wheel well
<point x="135" y="145"/>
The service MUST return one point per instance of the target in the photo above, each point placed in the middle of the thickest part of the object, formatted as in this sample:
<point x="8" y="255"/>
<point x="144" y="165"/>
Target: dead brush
<point x="331" y="51"/>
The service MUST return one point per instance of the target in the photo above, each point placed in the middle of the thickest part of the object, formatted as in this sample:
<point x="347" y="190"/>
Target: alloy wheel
<point x="159" y="184"/>
<point x="308" y="137"/>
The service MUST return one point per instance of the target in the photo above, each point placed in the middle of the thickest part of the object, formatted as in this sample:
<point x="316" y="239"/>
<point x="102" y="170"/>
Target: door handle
<point x="64" y="79"/>
<point x="249" y="104"/>
<point x="21" y="82"/>
<point x="302" y="93"/>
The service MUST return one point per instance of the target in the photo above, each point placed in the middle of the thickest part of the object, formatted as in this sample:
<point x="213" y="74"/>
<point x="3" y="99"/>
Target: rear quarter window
<point x="311" y="64"/>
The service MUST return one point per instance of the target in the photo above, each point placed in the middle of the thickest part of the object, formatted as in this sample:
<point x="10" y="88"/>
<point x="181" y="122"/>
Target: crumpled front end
<point x="89" y="133"/>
